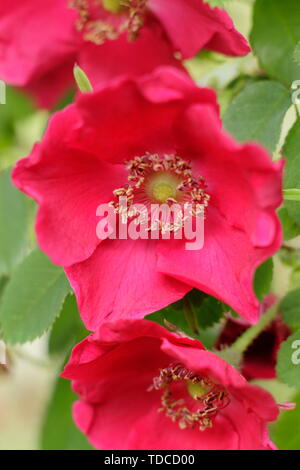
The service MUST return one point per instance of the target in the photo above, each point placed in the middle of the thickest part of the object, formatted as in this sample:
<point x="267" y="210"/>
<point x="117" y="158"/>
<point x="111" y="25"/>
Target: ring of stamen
<point x="210" y="396"/>
<point x="162" y="179"/>
<point x="131" y="15"/>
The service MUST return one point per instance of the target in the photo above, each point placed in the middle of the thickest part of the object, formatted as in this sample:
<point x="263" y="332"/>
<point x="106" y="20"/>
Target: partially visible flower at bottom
<point x="142" y="387"/>
<point x="259" y="361"/>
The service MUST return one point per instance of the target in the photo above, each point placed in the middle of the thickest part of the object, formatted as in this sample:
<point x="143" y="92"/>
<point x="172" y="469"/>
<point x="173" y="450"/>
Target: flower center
<point x="98" y="27"/>
<point x="163" y="191"/>
<point x="188" y="398"/>
<point x="162" y="186"/>
<point x="197" y="389"/>
<point x="165" y="179"/>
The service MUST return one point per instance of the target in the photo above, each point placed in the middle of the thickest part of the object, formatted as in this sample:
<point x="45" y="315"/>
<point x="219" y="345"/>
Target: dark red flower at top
<point x="40" y="41"/>
<point x="141" y="387"/>
<point x="157" y="140"/>
<point x="259" y="361"/>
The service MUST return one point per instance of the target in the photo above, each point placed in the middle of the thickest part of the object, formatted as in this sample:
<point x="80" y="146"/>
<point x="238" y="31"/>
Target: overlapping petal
<point x="114" y="368"/>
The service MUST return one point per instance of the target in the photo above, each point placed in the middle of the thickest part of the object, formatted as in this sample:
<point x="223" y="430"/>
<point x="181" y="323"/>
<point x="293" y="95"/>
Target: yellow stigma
<point x="163" y="191"/>
<point x="162" y="186"/>
<point x="197" y="390"/>
<point x="112" y="5"/>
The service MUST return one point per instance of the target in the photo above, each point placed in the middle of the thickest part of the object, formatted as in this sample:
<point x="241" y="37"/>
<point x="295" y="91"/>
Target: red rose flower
<point x="141" y="387"/>
<point x="41" y="40"/>
<point x="152" y="138"/>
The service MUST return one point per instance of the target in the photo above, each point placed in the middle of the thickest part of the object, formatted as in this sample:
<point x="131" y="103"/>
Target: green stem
<point x="190" y="316"/>
<point x="247" y="338"/>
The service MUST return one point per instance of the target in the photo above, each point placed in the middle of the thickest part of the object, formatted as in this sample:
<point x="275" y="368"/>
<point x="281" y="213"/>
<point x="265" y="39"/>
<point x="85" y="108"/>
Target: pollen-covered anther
<point x="129" y="17"/>
<point x="136" y="11"/>
<point x="82" y="6"/>
<point x="209" y="396"/>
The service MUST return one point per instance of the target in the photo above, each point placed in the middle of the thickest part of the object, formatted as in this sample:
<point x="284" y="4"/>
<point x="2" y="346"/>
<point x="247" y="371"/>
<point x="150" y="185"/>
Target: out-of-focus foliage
<point x="263" y="105"/>
<point x="68" y="328"/>
<point x="292" y="171"/>
<point x="286" y="432"/>
<point x="275" y="36"/>
<point x="289" y="361"/>
<point x="15" y="211"/>
<point x="59" y="431"/>
<point x="290" y="228"/>
<point x="290" y="308"/>
<point x="263" y="279"/>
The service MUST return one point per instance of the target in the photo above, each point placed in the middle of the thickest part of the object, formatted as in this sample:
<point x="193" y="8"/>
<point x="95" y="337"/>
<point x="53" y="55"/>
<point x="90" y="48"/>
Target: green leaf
<point x="14" y="221"/>
<point x="286" y="431"/>
<point x="291" y="152"/>
<point x="68" y="328"/>
<point x="290" y="308"/>
<point x="263" y="279"/>
<point x="205" y="309"/>
<point x="257" y="113"/>
<point x="59" y="431"/>
<point x="295" y="277"/>
<point x="290" y="228"/>
<point x="175" y="314"/>
<point x="208" y="310"/>
<point x="291" y="258"/>
<point x="32" y="298"/>
<point x="288" y="361"/>
<point x="275" y="35"/>
<point x="297" y="54"/>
